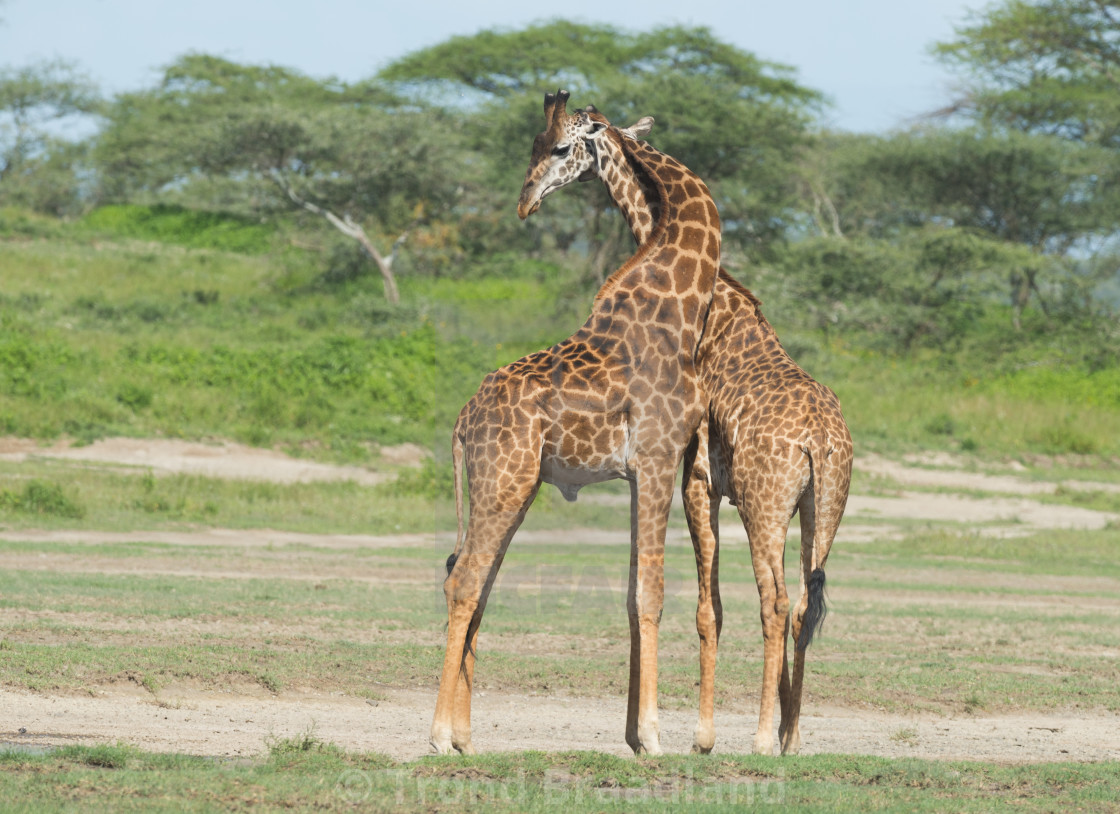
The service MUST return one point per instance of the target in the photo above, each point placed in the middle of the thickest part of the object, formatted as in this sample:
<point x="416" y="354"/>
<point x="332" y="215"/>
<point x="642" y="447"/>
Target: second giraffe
<point x="775" y="442"/>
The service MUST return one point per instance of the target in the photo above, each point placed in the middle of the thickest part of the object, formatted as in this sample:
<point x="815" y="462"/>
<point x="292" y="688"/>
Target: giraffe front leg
<point x="643" y="730"/>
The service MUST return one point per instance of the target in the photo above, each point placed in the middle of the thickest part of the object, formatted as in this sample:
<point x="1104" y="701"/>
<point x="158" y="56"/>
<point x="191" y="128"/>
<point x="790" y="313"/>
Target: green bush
<point x="23" y="222"/>
<point x="42" y="498"/>
<point x="431" y="480"/>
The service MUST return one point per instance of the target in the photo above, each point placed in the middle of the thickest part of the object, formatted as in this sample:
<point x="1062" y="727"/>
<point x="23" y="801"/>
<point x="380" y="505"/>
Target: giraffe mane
<point x="735" y="285"/>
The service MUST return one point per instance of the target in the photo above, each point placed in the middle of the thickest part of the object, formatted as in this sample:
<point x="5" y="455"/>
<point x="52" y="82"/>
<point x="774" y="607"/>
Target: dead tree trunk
<point x="353" y="230"/>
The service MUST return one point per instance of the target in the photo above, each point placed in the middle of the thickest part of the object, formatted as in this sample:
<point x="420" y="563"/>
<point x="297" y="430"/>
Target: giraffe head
<point x="563" y="153"/>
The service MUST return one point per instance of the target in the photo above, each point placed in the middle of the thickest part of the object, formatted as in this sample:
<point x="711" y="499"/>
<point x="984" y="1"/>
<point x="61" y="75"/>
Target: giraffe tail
<point x="830" y="490"/>
<point x="457" y="463"/>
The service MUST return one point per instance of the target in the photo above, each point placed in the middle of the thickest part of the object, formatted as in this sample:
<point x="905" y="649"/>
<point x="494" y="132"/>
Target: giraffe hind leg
<point x="767" y="540"/>
<point x="701" y="503"/>
<point x="472" y="574"/>
<point x="805" y="622"/>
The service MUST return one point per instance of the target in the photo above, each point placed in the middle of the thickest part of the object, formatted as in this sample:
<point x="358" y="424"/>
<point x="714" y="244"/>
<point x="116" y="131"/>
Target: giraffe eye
<point x="561" y="150"/>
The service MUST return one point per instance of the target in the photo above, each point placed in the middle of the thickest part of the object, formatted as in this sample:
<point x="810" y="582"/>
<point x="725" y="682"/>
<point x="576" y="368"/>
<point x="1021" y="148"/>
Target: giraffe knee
<point x="461" y="586"/>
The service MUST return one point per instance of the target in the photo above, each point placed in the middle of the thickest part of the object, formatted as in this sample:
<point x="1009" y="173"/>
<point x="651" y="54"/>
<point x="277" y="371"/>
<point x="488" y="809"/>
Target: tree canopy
<point x="262" y="138"/>
<point x="1048" y="66"/>
<point x="736" y="120"/>
<point x="38" y="168"/>
<point x="1011" y="201"/>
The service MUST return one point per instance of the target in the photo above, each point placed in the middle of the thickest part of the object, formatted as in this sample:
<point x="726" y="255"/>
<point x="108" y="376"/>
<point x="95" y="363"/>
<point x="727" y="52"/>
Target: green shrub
<point x="18" y="221"/>
<point x="42" y="498"/>
<point x="430" y="480"/>
<point x="135" y="396"/>
<point x="1065" y="438"/>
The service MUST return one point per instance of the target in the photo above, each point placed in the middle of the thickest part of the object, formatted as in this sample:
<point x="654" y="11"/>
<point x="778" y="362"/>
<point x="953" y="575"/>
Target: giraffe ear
<point x="639" y="129"/>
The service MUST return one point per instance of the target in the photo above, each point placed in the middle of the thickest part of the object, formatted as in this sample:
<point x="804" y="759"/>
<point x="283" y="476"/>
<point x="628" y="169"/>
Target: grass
<point x="902" y="405"/>
<point x="105" y="336"/>
<point x="112" y="500"/>
<point x="306" y="773"/>
<point x="46" y="493"/>
<point x="973" y="615"/>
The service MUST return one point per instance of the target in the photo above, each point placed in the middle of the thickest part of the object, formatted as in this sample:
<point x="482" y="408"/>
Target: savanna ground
<point x="194" y="623"/>
<point x="974" y="617"/>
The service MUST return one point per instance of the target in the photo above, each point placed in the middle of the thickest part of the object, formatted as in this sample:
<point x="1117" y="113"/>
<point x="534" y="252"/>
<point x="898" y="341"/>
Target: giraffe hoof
<point x="703" y="740"/>
<point x="441" y="746"/>
<point x="763" y="748"/>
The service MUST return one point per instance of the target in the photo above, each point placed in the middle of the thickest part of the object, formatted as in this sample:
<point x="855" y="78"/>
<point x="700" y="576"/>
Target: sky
<point x="869" y="57"/>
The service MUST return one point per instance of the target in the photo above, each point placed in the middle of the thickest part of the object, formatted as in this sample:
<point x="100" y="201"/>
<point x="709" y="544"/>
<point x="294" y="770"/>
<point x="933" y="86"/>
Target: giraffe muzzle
<point x="528" y="202"/>
<point x="527" y="208"/>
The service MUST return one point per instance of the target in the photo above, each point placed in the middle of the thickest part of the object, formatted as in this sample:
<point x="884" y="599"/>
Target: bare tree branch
<point x="353" y="230"/>
<point x="822" y="201"/>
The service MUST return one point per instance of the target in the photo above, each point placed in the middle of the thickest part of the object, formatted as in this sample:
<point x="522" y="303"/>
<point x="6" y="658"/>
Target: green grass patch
<point x="185" y="227"/>
<point x="110" y="500"/>
<point x="307" y="774"/>
<point x="374" y="617"/>
<point x="1057" y="551"/>
<point x="417" y="501"/>
<point x="206" y="330"/>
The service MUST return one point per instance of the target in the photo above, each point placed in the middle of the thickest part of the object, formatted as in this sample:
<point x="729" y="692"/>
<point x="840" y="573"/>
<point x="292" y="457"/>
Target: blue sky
<point x="869" y="56"/>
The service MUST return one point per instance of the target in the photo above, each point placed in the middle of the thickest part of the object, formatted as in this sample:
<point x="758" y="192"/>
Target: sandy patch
<point x="220" y="459"/>
<point x="182" y="719"/>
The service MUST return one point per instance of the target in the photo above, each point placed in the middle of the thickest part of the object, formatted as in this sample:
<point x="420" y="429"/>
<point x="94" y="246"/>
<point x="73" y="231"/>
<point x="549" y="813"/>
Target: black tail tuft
<point x="451" y="562"/>
<point x="815" y="612"/>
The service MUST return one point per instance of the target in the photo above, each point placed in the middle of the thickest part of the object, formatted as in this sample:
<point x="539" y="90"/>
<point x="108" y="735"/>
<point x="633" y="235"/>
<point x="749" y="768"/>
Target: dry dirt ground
<point x="243" y="721"/>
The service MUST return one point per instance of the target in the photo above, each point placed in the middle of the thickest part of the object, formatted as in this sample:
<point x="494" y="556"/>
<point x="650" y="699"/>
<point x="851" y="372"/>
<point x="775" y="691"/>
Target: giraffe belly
<point x="570" y="464"/>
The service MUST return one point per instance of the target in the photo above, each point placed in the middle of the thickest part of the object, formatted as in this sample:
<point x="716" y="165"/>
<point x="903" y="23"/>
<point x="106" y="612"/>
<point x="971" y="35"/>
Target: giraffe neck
<point x="734" y="308"/>
<point x="634" y="193"/>
<point x="679" y="235"/>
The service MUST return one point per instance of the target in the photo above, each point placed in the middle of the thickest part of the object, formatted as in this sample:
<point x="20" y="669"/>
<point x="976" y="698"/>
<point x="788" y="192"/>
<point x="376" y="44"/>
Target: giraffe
<point x="620" y="398"/>
<point x="775" y="442"/>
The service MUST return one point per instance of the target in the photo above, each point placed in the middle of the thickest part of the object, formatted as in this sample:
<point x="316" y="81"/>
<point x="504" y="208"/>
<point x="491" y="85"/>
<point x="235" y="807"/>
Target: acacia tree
<point x="267" y="138"/>
<point x="1047" y="66"/>
<point x="1041" y="194"/>
<point x="1051" y="68"/>
<point x="37" y="168"/>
